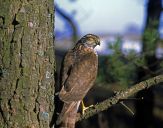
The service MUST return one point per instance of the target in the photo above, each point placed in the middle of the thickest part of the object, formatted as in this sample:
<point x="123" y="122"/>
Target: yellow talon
<point x="85" y="108"/>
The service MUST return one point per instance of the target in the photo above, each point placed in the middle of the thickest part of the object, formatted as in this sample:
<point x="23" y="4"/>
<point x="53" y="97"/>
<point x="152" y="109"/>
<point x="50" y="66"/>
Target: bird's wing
<point x="80" y="79"/>
<point x="66" y="66"/>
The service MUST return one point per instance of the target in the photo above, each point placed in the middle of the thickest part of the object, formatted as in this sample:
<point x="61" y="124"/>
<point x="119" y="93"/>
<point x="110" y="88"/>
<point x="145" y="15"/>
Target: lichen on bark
<point x="27" y="64"/>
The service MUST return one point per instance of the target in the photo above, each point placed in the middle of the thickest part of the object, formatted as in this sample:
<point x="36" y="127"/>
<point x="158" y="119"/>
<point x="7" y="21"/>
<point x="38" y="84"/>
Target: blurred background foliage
<point x="117" y="68"/>
<point x="131" y="51"/>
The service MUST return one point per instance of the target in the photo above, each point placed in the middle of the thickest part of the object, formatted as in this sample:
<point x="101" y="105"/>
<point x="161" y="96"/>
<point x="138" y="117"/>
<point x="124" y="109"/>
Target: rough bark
<point x="26" y="63"/>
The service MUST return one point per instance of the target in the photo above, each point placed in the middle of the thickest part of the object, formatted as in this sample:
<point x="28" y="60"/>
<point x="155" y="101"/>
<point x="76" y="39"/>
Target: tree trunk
<point x="26" y="63"/>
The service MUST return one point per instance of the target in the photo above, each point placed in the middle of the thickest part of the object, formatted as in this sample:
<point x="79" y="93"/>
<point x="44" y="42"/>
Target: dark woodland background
<point x="125" y="58"/>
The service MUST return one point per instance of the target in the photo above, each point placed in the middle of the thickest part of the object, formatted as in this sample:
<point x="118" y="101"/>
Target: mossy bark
<point x="27" y="63"/>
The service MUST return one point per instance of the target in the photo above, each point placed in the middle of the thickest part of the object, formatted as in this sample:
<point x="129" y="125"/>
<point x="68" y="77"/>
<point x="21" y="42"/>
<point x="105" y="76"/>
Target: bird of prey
<point x="79" y="72"/>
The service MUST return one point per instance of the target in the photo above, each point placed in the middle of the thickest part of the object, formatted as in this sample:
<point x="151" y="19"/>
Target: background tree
<point x="144" y="108"/>
<point x="71" y="22"/>
<point x="26" y="63"/>
<point x="119" y="69"/>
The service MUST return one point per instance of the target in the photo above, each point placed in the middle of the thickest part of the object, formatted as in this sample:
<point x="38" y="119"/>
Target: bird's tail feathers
<point x="67" y="110"/>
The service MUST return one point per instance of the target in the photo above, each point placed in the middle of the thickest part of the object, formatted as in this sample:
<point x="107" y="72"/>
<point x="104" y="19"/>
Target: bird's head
<point x="90" y="41"/>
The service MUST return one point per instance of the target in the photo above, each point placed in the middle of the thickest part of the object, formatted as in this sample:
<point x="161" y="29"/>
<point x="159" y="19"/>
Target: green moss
<point x="20" y="43"/>
<point x="4" y="11"/>
<point x="6" y="54"/>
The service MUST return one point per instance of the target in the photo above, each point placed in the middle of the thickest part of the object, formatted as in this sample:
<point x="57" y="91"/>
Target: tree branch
<point x="120" y="96"/>
<point x="70" y="21"/>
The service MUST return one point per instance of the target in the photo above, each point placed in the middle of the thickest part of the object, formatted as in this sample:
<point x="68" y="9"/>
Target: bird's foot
<point x="84" y="108"/>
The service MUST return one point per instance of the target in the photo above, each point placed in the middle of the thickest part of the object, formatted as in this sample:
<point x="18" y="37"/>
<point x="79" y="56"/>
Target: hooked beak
<point x="98" y="43"/>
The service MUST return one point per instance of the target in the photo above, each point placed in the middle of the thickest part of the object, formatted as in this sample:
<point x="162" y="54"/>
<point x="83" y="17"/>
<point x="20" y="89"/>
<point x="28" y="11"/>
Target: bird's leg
<point x="84" y="108"/>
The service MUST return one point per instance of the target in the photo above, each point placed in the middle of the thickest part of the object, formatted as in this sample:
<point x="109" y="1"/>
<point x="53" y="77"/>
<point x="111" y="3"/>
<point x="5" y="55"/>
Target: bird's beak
<point x="98" y="43"/>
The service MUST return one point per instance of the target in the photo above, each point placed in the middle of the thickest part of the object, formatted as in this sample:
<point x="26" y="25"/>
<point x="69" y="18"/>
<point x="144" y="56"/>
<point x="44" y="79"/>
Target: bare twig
<point x="121" y="95"/>
<point x="127" y="108"/>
